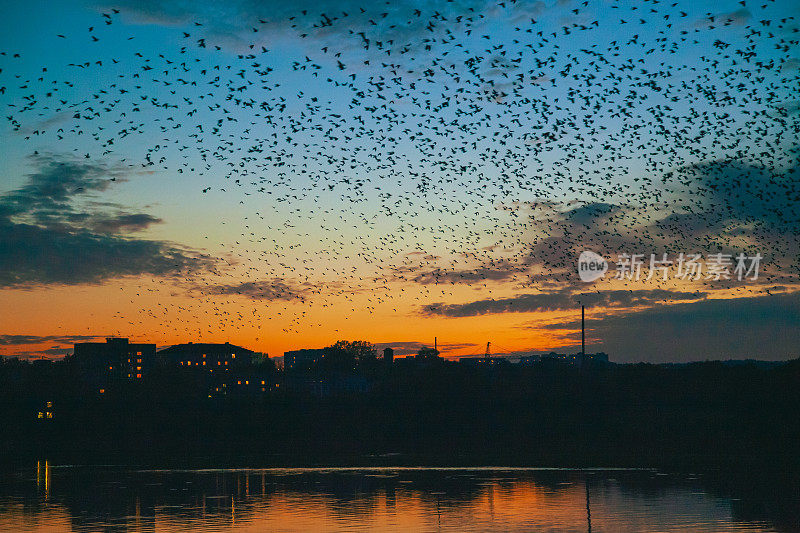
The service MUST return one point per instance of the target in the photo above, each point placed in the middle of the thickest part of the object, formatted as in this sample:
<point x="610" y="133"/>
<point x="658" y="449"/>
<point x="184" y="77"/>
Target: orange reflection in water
<point x="342" y="499"/>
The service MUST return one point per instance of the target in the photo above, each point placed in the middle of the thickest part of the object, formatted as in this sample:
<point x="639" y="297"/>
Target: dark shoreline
<point x="699" y="416"/>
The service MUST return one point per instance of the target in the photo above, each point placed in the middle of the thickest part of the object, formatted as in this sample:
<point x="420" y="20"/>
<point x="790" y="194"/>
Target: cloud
<point x="47" y="196"/>
<point x="490" y="273"/>
<point x="275" y="289"/>
<point x="737" y="207"/>
<point x="42" y="346"/>
<point x="726" y="206"/>
<point x="734" y="190"/>
<point x="738" y="328"/>
<point x="392" y="28"/>
<point x="15" y="340"/>
<point x="592" y="213"/>
<point x="737" y="18"/>
<point x="560" y="300"/>
<point x="49" y="236"/>
<point x="124" y="223"/>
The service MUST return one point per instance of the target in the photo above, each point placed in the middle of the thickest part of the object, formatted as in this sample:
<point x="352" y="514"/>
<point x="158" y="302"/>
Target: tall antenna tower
<point x="583" y="333"/>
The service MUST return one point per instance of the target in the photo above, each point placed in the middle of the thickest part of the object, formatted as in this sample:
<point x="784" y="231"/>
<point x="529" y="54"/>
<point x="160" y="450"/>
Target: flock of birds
<point x="387" y="156"/>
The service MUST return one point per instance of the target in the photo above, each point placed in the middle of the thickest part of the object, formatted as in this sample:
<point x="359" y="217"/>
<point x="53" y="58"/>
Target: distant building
<point x="529" y="360"/>
<point x="483" y="362"/>
<point x="388" y="355"/>
<point x="569" y="359"/>
<point x="222" y="369"/>
<point x="47" y="412"/>
<point x="205" y="356"/>
<point x="302" y="360"/>
<point x="100" y="363"/>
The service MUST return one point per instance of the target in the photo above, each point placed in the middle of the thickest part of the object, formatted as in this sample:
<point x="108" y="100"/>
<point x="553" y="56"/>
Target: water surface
<point x="73" y="498"/>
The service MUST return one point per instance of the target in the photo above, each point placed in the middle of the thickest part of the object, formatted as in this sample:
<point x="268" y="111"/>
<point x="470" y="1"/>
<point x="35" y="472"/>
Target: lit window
<point x="204" y="356"/>
<point x="138" y="368"/>
<point x="247" y="383"/>
<point x="233" y="355"/>
<point x="111" y="368"/>
<point x="40" y="415"/>
<point x="102" y="391"/>
<point x="204" y="363"/>
<point x="263" y="383"/>
<point x="239" y="382"/>
<point x="49" y="414"/>
<point x="49" y="404"/>
<point x="138" y="375"/>
<point x="226" y="363"/>
<point x="138" y="353"/>
<point x="138" y="360"/>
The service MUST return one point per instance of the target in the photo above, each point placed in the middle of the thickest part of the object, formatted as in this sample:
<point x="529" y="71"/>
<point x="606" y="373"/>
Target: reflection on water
<point x="64" y="498"/>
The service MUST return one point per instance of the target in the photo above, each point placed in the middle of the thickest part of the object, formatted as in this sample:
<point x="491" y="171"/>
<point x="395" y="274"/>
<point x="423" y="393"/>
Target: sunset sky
<point x="285" y="175"/>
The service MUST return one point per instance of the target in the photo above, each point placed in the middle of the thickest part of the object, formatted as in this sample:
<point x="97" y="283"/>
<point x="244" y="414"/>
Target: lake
<point x="48" y="497"/>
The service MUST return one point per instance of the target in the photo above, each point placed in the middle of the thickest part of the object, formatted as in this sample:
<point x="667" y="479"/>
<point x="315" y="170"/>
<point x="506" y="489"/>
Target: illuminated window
<point x="204" y="363"/>
<point x="40" y="415"/>
<point x="49" y="414"/>
<point x="102" y="391"/>
<point x="49" y="404"/>
<point x="239" y="382"/>
<point x="138" y="360"/>
<point x="247" y="383"/>
<point x="138" y="375"/>
<point x="138" y="353"/>
<point x="204" y="356"/>
<point x="233" y="355"/>
<point x="226" y="363"/>
<point x="263" y="383"/>
<point x="111" y="368"/>
<point x="138" y="368"/>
